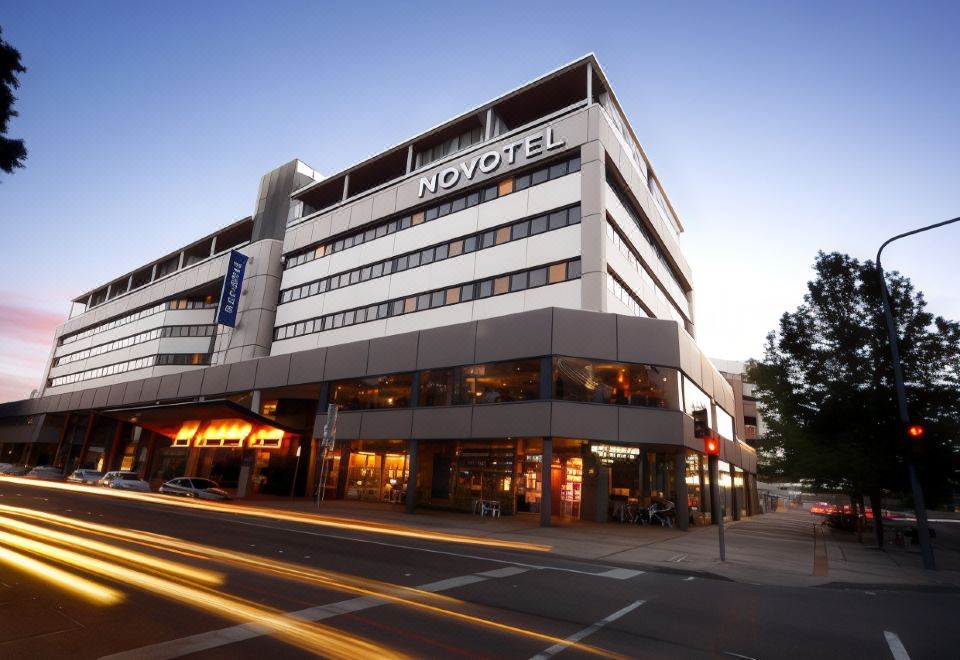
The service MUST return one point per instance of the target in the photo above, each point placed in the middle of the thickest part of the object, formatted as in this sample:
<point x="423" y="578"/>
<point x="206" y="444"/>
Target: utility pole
<point x="923" y="531"/>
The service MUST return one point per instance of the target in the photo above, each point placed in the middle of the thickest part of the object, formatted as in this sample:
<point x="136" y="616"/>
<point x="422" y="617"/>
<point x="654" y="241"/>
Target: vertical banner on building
<point x="232" y="285"/>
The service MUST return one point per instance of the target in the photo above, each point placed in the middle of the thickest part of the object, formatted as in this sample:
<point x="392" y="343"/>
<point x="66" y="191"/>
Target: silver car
<point x="203" y="489"/>
<point x="14" y="469"/>
<point x="46" y="472"/>
<point x="84" y="476"/>
<point x="122" y="480"/>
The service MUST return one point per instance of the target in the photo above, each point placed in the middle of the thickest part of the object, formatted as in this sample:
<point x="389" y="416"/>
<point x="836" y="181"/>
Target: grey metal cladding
<point x="392" y="354"/>
<point x="191" y="382"/>
<point x="307" y="366"/>
<point x="646" y="425"/>
<point x="648" y="341"/>
<point x="115" y="397"/>
<point x="273" y="371"/>
<point x="214" y="381"/>
<point x="346" y="360"/>
<point x="523" y="335"/>
<point x="151" y="389"/>
<point x="442" y="422"/>
<point x="348" y="424"/>
<point x="132" y="393"/>
<point x="100" y="396"/>
<point x="273" y="202"/>
<point x="584" y="420"/>
<point x="242" y="377"/>
<point x="76" y="396"/>
<point x="385" y="424"/>
<point x="448" y="345"/>
<point x="169" y="386"/>
<point x="584" y="334"/>
<point x="511" y="420"/>
<point x="86" y="400"/>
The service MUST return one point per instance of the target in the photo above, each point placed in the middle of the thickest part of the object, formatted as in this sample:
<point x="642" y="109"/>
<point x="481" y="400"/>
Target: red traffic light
<point x="915" y="431"/>
<point x="711" y="446"/>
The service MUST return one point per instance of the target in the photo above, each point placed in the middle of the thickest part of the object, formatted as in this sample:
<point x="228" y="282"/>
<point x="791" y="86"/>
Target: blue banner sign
<point x="232" y="285"/>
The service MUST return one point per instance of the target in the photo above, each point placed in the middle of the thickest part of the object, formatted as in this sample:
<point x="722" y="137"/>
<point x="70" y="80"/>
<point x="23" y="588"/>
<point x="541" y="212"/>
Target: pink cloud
<point x="14" y="388"/>
<point x="28" y="324"/>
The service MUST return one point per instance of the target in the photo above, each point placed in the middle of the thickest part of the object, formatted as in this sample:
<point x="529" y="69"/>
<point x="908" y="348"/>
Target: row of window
<point x="437" y="210"/>
<point x="463" y="245"/>
<point x="133" y="340"/>
<point x="647" y="235"/>
<point x="622" y="294"/>
<point x="493" y="286"/>
<point x="132" y="365"/>
<point x="447" y="147"/>
<point x="571" y="379"/>
<point x="184" y="303"/>
<point x="621" y="243"/>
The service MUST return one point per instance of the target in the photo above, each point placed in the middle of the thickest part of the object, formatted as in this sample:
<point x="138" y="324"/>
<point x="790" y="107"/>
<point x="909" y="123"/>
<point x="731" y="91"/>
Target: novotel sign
<point x="533" y="145"/>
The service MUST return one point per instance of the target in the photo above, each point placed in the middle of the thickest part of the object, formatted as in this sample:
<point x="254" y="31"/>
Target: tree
<point x="12" y="152"/>
<point x="827" y="389"/>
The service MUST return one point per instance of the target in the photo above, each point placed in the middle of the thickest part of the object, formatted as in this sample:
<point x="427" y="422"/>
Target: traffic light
<point x="915" y="431"/>
<point x="711" y="446"/>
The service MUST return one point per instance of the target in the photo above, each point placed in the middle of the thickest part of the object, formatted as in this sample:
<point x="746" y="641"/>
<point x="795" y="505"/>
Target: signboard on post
<point x="330" y="428"/>
<point x="232" y="286"/>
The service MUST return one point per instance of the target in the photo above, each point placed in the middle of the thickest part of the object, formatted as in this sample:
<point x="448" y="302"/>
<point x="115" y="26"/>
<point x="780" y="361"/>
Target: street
<point x="162" y="580"/>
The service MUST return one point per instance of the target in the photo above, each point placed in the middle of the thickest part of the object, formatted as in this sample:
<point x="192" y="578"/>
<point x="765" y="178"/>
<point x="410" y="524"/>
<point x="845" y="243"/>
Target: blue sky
<point x="777" y="129"/>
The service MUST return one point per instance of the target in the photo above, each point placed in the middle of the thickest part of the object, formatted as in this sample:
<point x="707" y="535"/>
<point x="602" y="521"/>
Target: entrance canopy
<point x="220" y="423"/>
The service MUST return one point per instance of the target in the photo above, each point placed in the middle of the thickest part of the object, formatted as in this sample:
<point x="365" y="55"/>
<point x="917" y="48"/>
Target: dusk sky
<point x="777" y="130"/>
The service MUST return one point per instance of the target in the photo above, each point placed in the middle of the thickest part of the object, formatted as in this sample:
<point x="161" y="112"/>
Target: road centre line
<point x="896" y="646"/>
<point x="212" y="639"/>
<point x="589" y="630"/>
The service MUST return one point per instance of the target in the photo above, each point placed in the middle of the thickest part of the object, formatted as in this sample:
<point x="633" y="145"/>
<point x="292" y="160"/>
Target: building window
<point x="498" y="382"/>
<point x="576" y="379"/>
<point x="437" y="210"/>
<point x="392" y="391"/>
<point x="696" y="403"/>
<point x="563" y="271"/>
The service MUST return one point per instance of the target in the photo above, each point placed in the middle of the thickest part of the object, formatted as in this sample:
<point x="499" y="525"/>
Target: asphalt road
<point x="350" y="587"/>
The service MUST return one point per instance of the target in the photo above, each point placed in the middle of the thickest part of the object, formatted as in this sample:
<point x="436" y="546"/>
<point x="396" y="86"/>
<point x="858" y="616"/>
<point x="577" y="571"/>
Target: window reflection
<point x="696" y="403"/>
<point x="391" y="391"/>
<point x="481" y="383"/>
<point x="618" y="383"/>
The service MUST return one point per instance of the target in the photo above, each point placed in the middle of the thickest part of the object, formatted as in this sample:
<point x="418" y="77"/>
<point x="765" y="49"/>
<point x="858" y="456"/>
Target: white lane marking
<point x="896" y="646"/>
<point x="737" y="655"/>
<point x="176" y="648"/>
<point x="619" y="573"/>
<point x="506" y="571"/>
<point x="589" y="630"/>
<point x="687" y="579"/>
<point x="614" y="573"/>
<point x="676" y="559"/>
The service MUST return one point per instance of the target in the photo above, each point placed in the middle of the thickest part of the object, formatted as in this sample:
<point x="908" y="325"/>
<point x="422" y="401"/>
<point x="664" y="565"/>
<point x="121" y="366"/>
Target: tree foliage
<point x="12" y="152"/>
<point x="827" y="389"/>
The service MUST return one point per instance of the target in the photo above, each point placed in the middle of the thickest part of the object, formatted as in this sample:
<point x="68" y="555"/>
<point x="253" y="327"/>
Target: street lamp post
<point x="926" y="549"/>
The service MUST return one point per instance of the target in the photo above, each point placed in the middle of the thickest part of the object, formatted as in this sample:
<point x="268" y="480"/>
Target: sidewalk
<point x="787" y="548"/>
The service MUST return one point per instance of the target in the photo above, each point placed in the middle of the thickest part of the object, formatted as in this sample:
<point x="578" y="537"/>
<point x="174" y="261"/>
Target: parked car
<point x="122" y="480"/>
<point x="85" y="476"/>
<point x="14" y="469"/>
<point x="203" y="489"/>
<point x="46" y="472"/>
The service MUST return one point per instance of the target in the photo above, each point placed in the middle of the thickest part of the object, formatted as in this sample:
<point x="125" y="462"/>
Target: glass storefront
<point x="617" y="383"/>
<point x="392" y="391"/>
<point x="497" y="382"/>
<point x="377" y="477"/>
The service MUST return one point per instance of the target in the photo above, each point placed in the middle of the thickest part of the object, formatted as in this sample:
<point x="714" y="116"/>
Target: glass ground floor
<point x="582" y="480"/>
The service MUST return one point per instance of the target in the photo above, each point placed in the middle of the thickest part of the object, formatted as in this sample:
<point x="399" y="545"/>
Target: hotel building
<point x="498" y="307"/>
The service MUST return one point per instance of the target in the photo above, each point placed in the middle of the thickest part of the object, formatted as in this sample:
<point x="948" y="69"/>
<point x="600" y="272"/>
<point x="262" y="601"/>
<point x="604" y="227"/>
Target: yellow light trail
<point x="287" y="516"/>
<point x="308" y="636"/>
<point x="137" y="558"/>
<point x="339" y="582"/>
<point x="86" y="589"/>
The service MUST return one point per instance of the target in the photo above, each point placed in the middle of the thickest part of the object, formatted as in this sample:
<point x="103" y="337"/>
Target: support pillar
<point x="108" y="464"/>
<point x="413" y="465"/>
<point x="58" y="457"/>
<point x="86" y="440"/>
<point x="546" y="489"/>
<point x="734" y="500"/>
<point x="680" y="472"/>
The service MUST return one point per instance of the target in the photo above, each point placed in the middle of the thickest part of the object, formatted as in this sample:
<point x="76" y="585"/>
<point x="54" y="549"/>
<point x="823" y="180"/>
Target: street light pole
<point x="923" y="532"/>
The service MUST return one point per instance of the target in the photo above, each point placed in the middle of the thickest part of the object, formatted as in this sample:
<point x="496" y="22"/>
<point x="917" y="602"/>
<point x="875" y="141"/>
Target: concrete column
<point x="716" y="510"/>
<point x="546" y="493"/>
<point x="593" y="225"/>
<point x="413" y="447"/>
<point x="183" y="256"/>
<point x="58" y="457"/>
<point x="213" y="246"/>
<point x="589" y="82"/>
<point x="86" y="440"/>
<point x="683" y="514"/>
<point x="734" y="500"/>
<point x="153" y="272"/>
<point x="409" y="159"/>
<point x="255" y="402"/>
<point x="346" y="187"/>
<point x="343" y="469"/>
<point x="488" y="125"/>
